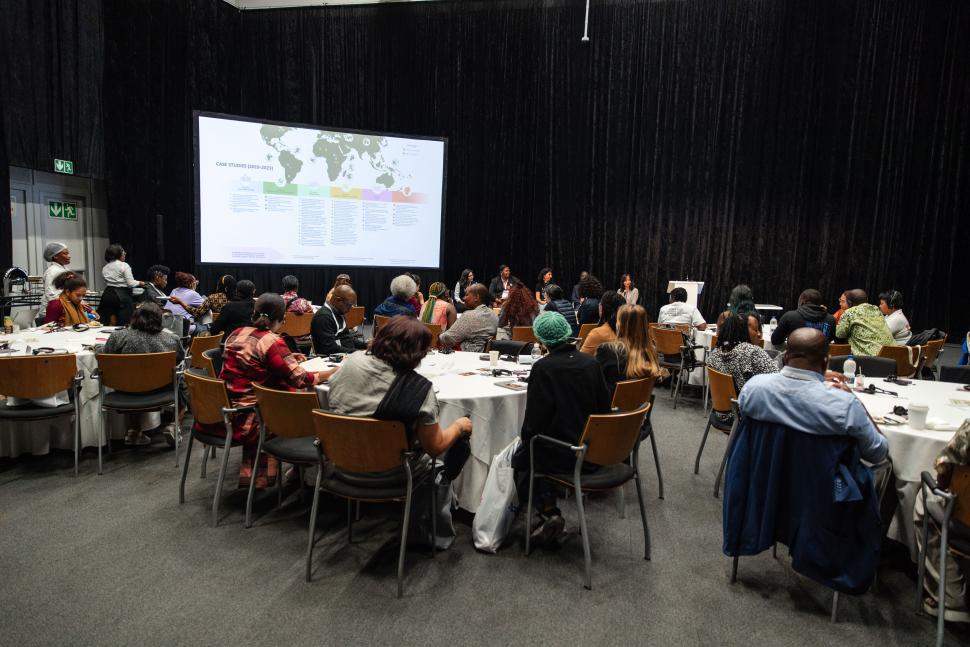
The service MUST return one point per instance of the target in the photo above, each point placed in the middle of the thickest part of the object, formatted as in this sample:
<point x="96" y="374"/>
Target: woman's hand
<point x="323" y="376"/>
<point x="177" y="301"/>
<point x="464" y="425"/>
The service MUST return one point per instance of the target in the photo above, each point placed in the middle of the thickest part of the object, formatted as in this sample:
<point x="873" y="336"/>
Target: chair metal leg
<point x="921" y="577"/>
<point x="620" y="502"/>
<point x="299" y="471"/>
<point x="311" y="531"/>
<point x="434" y="511"/>
<point x="350" y="522"/>
<point x="700" y="450"/>
<point x="656" y="462"/>
<point x="101" y="438"/>
<point x="213" y="448"/>
<point x="205" y="461"/>
<point x="252" y="484"/>
<point x="727" y="452"/>
<point x="77" y="432"/>
<point x="588" y="583"/>
<point x="734" y="570"/>
<point x="835" y="607"/>
<point x="185" y="469"/>
<point x="941" y="591"/>
<point x="404" y="532"/>
<point x="175" y="418"/>
<point x="643" y="517"/>
<point x="528" y="513"/>
<point x="222" y="478"/>
<point x="680" y="379"/>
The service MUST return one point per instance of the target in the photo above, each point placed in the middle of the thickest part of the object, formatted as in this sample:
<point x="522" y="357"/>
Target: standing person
<point x="467" y="278"/>
<point x="574" y="297"/>
<point x="438" y="309"/>
<point x="183" y="297"/>
<point x="631" y="356"/>
<point x="501" y="284"/>
<point x="610" y="302"/>
<point x="545" y="280"/>
<point x="628" y="290"/>
<point x="399" y="303"/>
<point x="329" y="328"/>
<point x="891" y="306"/>
<point x="520" y="309"/>
<point x="863" y="325"/>
<point x="678" y="311"/>
<point x="558" y="303"/>
<point x="238" y="312"/>
<point x="116" y="301"/>
<point x="809" y="314"/>
<point x="342" y="279"/>
<point x="565" y="388"/>
<point x="590" y="291"/>
<point x="58" y="257"/>
<point x="473" y="330"/>
<point x="68" y="309"/>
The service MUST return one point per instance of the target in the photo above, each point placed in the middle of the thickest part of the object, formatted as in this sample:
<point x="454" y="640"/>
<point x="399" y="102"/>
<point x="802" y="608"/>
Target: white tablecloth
<point x="496" y="412"/>
<point x="38" y="437"/>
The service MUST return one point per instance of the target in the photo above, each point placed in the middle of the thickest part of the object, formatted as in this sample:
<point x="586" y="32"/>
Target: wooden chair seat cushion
<point x="138" y="401"/>
<point x="29" y="411"/>
<point x="293" y="450"/>
<point x="606" y="477"/>
<point x="721" y="422"/>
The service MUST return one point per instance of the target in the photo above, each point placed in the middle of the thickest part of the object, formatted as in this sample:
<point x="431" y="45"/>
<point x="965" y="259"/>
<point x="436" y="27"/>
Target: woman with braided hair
<point x="438" y="309"/>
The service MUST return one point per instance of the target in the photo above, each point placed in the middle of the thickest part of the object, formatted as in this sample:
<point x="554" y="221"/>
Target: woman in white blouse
<point x="116" y="302"/>
<point x="629" y="290"/>
<point x="891" y="305"/>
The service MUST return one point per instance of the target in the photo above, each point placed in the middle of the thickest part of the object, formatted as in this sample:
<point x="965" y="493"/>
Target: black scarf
<point x="403" y="400"/>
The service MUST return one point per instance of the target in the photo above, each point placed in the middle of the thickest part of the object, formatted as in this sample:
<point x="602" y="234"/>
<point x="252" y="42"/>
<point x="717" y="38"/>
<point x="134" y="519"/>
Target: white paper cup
<point x="493" y="358"/>
<point x="917" y="415"/>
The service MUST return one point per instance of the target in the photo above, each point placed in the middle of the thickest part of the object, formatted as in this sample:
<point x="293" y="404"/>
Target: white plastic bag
<point x="496" y="512"/>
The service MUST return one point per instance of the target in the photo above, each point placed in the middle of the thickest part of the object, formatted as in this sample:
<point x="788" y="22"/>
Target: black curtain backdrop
<point x="786" y="144"/>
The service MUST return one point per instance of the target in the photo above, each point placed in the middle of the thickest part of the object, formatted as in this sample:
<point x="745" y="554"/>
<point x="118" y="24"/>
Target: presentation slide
<point x="272" y="193"/>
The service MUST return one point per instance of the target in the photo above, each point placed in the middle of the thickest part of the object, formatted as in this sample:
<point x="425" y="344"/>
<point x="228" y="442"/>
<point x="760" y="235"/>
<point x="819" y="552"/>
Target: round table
<point x="39" y="437"/>
<point x="497" y="413"/>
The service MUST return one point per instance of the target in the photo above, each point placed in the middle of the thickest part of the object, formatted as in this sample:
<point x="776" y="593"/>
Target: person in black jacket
<point x="557" y="303"/>
<point x="237" y="313"/>
<point x="811" y="313"/>
<point x="328" y="328"/>
<point x="590" y="291"/>
<point x="565" y="388"/>
<point x="501" y="284"/>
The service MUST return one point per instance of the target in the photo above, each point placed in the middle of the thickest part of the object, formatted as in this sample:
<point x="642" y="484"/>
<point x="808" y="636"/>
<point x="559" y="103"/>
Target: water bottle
<point x="536" y="352"/>
<point x="773" y="324"/>
<point x="848" y="369"/>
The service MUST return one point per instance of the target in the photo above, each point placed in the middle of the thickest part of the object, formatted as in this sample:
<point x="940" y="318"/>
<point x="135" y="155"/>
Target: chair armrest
<point x="248" y="408"/>
<point x="554" y="441"/>
<point x="96" y="374"/>
<point x="934" y="487"/>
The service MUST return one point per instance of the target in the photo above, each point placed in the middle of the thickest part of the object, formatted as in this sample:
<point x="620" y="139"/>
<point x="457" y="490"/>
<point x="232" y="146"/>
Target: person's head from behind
<point x="402" y="342"/>
<point x="342" y="279"/>
<point x="61" y="279"/>
<point x="403" y="287"/>
<point x="290" y="283"/>
<point x="554" y="292"/>
<point x="678" y="294"/>
<point x="632" y="328"/>
<point x="74" y="289"/>
<point x="610" y="302"/>
<point x="521" y="306"/>
<point x="416" y="279"/>
<point x="505" y="272"/>
<point x="552" y="330"/>
<point x="890" y="301"/>
<point x="811" y="296"/>
<point x="438" y="290"/>
<point x="807" y="349"/>
<point x="590" y="287"/>
<point x="733" y="331"/>
<point x="476" y="294"/>
<point x="147" y="318"/>
<point x="245" y="290"/>
<point x="545" y="275"/>
<point x="186" y="280"/>
<point x="227" y="285"/>
<point x="114" y="252"/>
<point x="57" y="253"/>
<point x="157" y="275"/>
<point x="741" y="296"/>
<point x="343" y="299"/>
<point x="467" y="277"/>
<point x="269" y="311"/>
<point x="855" y="297"/>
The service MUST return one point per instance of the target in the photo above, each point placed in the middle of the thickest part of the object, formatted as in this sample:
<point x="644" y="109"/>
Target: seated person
<point x="558" y="303"/>
<point x="153" y="288"/>
<point x="342" y="279"/>
<point x="145" y="335"/>
<point x="863" y="326"/>
<point x="891" y="306"/>
<point x="297" y="305"/>
<point x="520" y="309"/>
<point x="565" y="387"/>
<point x="238" y="312"/>
<point x="545" y="280"/>
<point x="329" y="329"/>
<point x="590" y="291"/>
<point x="257" y="354"/>
<point x="574" y="295"/>
<point x="476" y="326"/>
<point x="631" y="356"/>
<point x="417" y="299"/>
<point x="799" y="398"/>
<point x="610" y="302"/>
<point x="679" y="312"/>
<point x="843" y="306"/>
<point x="439" y="309"/>
<point x="736" y="355"/>
<point x="225" y="292"/>
<point x="466" y="279"/>
<point x="499" y="288"/>
<point x="741" y="300"/>
<point x="403" y="288"/>
<point x="382" y="383"/>
<point x="185" y="295"/>
<point x="957" y="452"/>
<point x="811" y="313"/>
<point x="69" y="309"/>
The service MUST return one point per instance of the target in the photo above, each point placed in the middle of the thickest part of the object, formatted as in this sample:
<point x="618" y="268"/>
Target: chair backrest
<point x="435" y="330"/>
<point x="297" y="324"/>
<point x="611" y="437"/>
<point x="207" y="398"/>
<point x="668" y="340"/>
<point x="379" y="320"/>
<point x="215" y="316"/>
<point x="870" y="366"/>
<point x="931" y="351"/>
<point x="960" y="486"/>
<point x="286" y="413"/>
<point x="958" y="374"/>
<point x="836" y="350"/>
<point x="137" y="373"/>
<point x="355" y="316"/>
<point x="630" y="395"/>
<point x="523" y="333"/>
<point x="36" y="376"/>
<point x="200" y="345"/>
<point x="585" y="329"/>
<point x="722" y="390"/>
<point x="906" y="358"/>
<point x="713" y="341"/>
<point x="213" y="359"/>
<point x="360" y="445"/>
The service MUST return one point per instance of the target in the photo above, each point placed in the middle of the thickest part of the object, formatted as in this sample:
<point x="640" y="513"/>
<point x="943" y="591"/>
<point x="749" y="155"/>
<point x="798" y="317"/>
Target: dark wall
<point x="786" y="144"/>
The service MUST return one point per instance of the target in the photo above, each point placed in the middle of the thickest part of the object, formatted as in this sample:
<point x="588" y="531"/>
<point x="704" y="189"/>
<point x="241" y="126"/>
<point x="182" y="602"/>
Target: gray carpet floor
<point x="115" y="560"/>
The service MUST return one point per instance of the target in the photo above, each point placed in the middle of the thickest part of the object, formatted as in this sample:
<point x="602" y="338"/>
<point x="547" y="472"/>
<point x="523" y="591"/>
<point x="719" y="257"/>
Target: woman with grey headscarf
<point x="58" y="255"/>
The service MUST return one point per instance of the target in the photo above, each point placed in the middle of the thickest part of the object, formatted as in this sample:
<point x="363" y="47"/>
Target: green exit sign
<point x="62" y="210"/>
<point x="64" y="166"/>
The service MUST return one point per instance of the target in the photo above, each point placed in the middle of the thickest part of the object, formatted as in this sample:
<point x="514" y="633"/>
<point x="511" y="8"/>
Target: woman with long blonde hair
<point x="631" y="356"/>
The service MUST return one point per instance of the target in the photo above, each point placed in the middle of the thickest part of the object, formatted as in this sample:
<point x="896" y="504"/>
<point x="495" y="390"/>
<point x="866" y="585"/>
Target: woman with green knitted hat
<point x="438" y="309"/>
<point x="565" y="388"/>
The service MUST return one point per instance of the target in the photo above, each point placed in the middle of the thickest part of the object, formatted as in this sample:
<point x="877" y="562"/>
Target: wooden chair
<point x="630" y="395"/>
<point x="379" y="320"/>
<point x="907" y="358"/>
<point x="287" y="415"/>
<point x="215" y="316"/>
<point x="362" y="452"/>
<point x="607" y="441"/>
<point x="201" y="344"/>
<point x="952" y="523"/>
<point x="957" y="374"/>
<point x="140" y="383"/>
<point x="837" y="350"/>
<point x="523" y="333"/>
<point x="723" y="393"/>
<point x="435" y="330"/>
<point x="42" y="376"/>
<point x="212" y="362"/>
<point x="355" y="316"/>
<point x="669" y="343"/>
<point x="296" y="325"/>
<point x="584" y="330"/>
<point x="210" y="405"/>
<point x="931" y="351"/>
